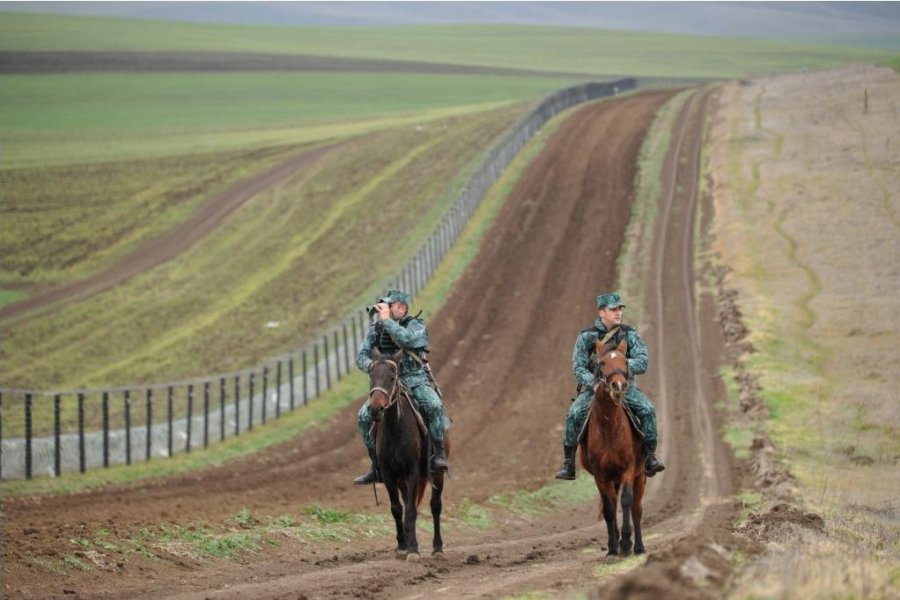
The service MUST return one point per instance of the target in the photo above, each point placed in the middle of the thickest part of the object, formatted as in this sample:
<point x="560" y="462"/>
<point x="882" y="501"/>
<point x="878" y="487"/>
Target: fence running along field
<point x="139" y="423"/>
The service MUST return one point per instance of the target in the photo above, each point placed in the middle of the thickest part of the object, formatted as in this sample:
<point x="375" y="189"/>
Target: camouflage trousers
<point x="638" y="403"/>
<point x="429" y="404"/>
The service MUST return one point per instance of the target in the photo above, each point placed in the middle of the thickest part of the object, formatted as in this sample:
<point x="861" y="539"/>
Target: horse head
<point x="612" y="369"/>
<point x="384" y="376"/>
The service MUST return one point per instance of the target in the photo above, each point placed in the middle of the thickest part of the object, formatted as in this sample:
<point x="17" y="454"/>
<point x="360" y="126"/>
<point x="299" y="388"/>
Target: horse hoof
<point x="413" y="556"/>
<point x="400" y="554"/>
<point x="437" y="554"/>
<point x="612" y="553"/>
<point x="639" y="550"/>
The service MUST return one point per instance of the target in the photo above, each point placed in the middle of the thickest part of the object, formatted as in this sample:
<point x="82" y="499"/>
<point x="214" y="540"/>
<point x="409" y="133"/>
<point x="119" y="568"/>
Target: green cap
<point x="397" y="296"/>
<point x="610" y="300"/>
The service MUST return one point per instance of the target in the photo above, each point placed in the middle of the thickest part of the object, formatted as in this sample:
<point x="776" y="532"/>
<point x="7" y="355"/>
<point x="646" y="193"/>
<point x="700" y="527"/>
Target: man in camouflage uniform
<point x="609" y="327"/>
<point x="395" y="330"/>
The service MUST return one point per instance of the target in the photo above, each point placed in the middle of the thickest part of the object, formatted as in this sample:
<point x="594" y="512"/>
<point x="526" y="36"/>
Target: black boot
<point x="439" y="460"/>
<point x="372" y="476"/>
<point x="652" y="464"/>
<point x="568" y="468"/>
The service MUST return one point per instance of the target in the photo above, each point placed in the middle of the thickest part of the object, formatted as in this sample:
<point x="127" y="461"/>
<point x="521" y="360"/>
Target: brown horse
<point x="612" y="452"/>
<point x="402" y="452"/>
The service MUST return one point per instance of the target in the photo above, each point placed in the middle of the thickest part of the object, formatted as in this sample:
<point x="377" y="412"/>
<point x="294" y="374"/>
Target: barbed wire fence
<point x="46" y="432"/>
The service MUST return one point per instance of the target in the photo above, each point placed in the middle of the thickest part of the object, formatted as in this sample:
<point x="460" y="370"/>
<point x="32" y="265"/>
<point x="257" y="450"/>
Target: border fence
<point x="57" y="431"/>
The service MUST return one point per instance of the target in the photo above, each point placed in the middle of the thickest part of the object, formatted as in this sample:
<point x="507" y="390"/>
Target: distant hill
<point x="875" y="24"/>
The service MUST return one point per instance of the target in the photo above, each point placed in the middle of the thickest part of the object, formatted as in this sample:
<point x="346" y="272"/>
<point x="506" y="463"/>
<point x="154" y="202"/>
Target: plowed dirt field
<point x="502" y="349"/>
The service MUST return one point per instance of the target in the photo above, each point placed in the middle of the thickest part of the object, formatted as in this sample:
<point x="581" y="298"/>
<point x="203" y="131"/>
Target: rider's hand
<point x="384" y="311"/>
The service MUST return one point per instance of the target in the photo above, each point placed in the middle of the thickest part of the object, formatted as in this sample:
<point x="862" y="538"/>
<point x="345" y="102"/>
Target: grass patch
<point x="9" y="296"/>
<point x="327" y="515"/>
<point x="740" y="439"/>
<point x="70" y="560"/>
<point x="546" y="498"/>
<point x="473" y="514"/>
<point x="245" y="517"/>
<point x="619" y="566"/>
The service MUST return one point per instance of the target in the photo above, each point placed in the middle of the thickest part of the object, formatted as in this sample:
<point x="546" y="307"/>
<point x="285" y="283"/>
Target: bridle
<point x="605" y="379"/>
<point x="392" y="396"/>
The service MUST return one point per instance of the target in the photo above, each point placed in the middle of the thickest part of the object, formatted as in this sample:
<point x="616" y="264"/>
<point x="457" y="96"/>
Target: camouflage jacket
<point x="409" y="333"/>
<point x="583" y="363"/>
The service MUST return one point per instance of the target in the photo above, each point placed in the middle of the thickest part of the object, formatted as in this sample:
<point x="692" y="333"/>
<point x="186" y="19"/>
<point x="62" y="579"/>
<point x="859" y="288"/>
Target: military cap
<point x="397" y="296"/>
<point x="610" y="300"/>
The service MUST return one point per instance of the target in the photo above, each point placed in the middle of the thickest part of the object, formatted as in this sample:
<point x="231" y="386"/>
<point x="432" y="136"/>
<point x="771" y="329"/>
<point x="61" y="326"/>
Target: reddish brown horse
<point x="613" y="453"/>
<point x="402" y="452"/>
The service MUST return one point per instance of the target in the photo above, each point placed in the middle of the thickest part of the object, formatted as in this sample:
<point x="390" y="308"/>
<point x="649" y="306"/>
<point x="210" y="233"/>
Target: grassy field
<point x="807" y="216"/>
<point x="528" y="47"/>
<point x="53" y="120"/>
<point x="301" y="253"/>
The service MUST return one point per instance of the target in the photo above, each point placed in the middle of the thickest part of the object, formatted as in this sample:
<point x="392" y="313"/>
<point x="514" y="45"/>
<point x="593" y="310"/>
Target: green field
<point x="548" y="48"/>
<point x="302" y="253"/>
<point x="74" y="119"/>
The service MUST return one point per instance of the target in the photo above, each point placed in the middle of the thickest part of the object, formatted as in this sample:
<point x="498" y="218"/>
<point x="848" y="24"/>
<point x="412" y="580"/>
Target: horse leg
<point x="436" y="490"/>
<point x="637" y="511"/>
<point x="609" y="502"/>
<point x="627" y="503"/>
<point x="409" y="518"/>
<point x="397" y="512"/>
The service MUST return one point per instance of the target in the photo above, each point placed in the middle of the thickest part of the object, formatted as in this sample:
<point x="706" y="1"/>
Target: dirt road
<point x="502" y="346"/>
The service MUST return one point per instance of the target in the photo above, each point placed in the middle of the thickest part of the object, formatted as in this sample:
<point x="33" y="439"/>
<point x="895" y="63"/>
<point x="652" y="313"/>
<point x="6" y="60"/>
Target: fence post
<point x="105" y="429"/>
<point x="337" y="357"/>
<point x="127" y="427"/>
<point x="305" y="386"/>
<point x="327" y="366"/>
<point x="278" y="391"/>
<point x="82" y="459"/>
<point x="237" y="405"/>
<point x="57" y="455"/>
<point x="316" y="361"/>
<point x="149" y="425"/>
<point x="291" y="376"/>
<point x="169" y="417"/>
<point x="190" y="415"/>
<point x="346" y="349"/>
<point x="205" y="414"/>
<point x="250" y="400"/>
<point x="27" y="436"/>
<point x="221" y="409"/>
<point x="265" y="392"/>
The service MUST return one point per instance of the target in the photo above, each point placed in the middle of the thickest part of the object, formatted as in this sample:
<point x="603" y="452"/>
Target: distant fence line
<point x="138" y="423"/>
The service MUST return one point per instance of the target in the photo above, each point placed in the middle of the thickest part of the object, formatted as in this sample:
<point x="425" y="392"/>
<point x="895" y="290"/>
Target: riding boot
<point x="568" y="468"/>
<point x="372" y="476"/>
<point x="439" y="460"/>
<point x="652" y="464"/>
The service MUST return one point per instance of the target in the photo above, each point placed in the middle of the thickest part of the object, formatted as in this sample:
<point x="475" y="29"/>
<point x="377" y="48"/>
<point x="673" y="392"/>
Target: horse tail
<point x="423" y="483"/>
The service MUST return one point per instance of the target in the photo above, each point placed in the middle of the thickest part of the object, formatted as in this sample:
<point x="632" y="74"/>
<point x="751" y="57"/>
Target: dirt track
<point x="502" y="347"/>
